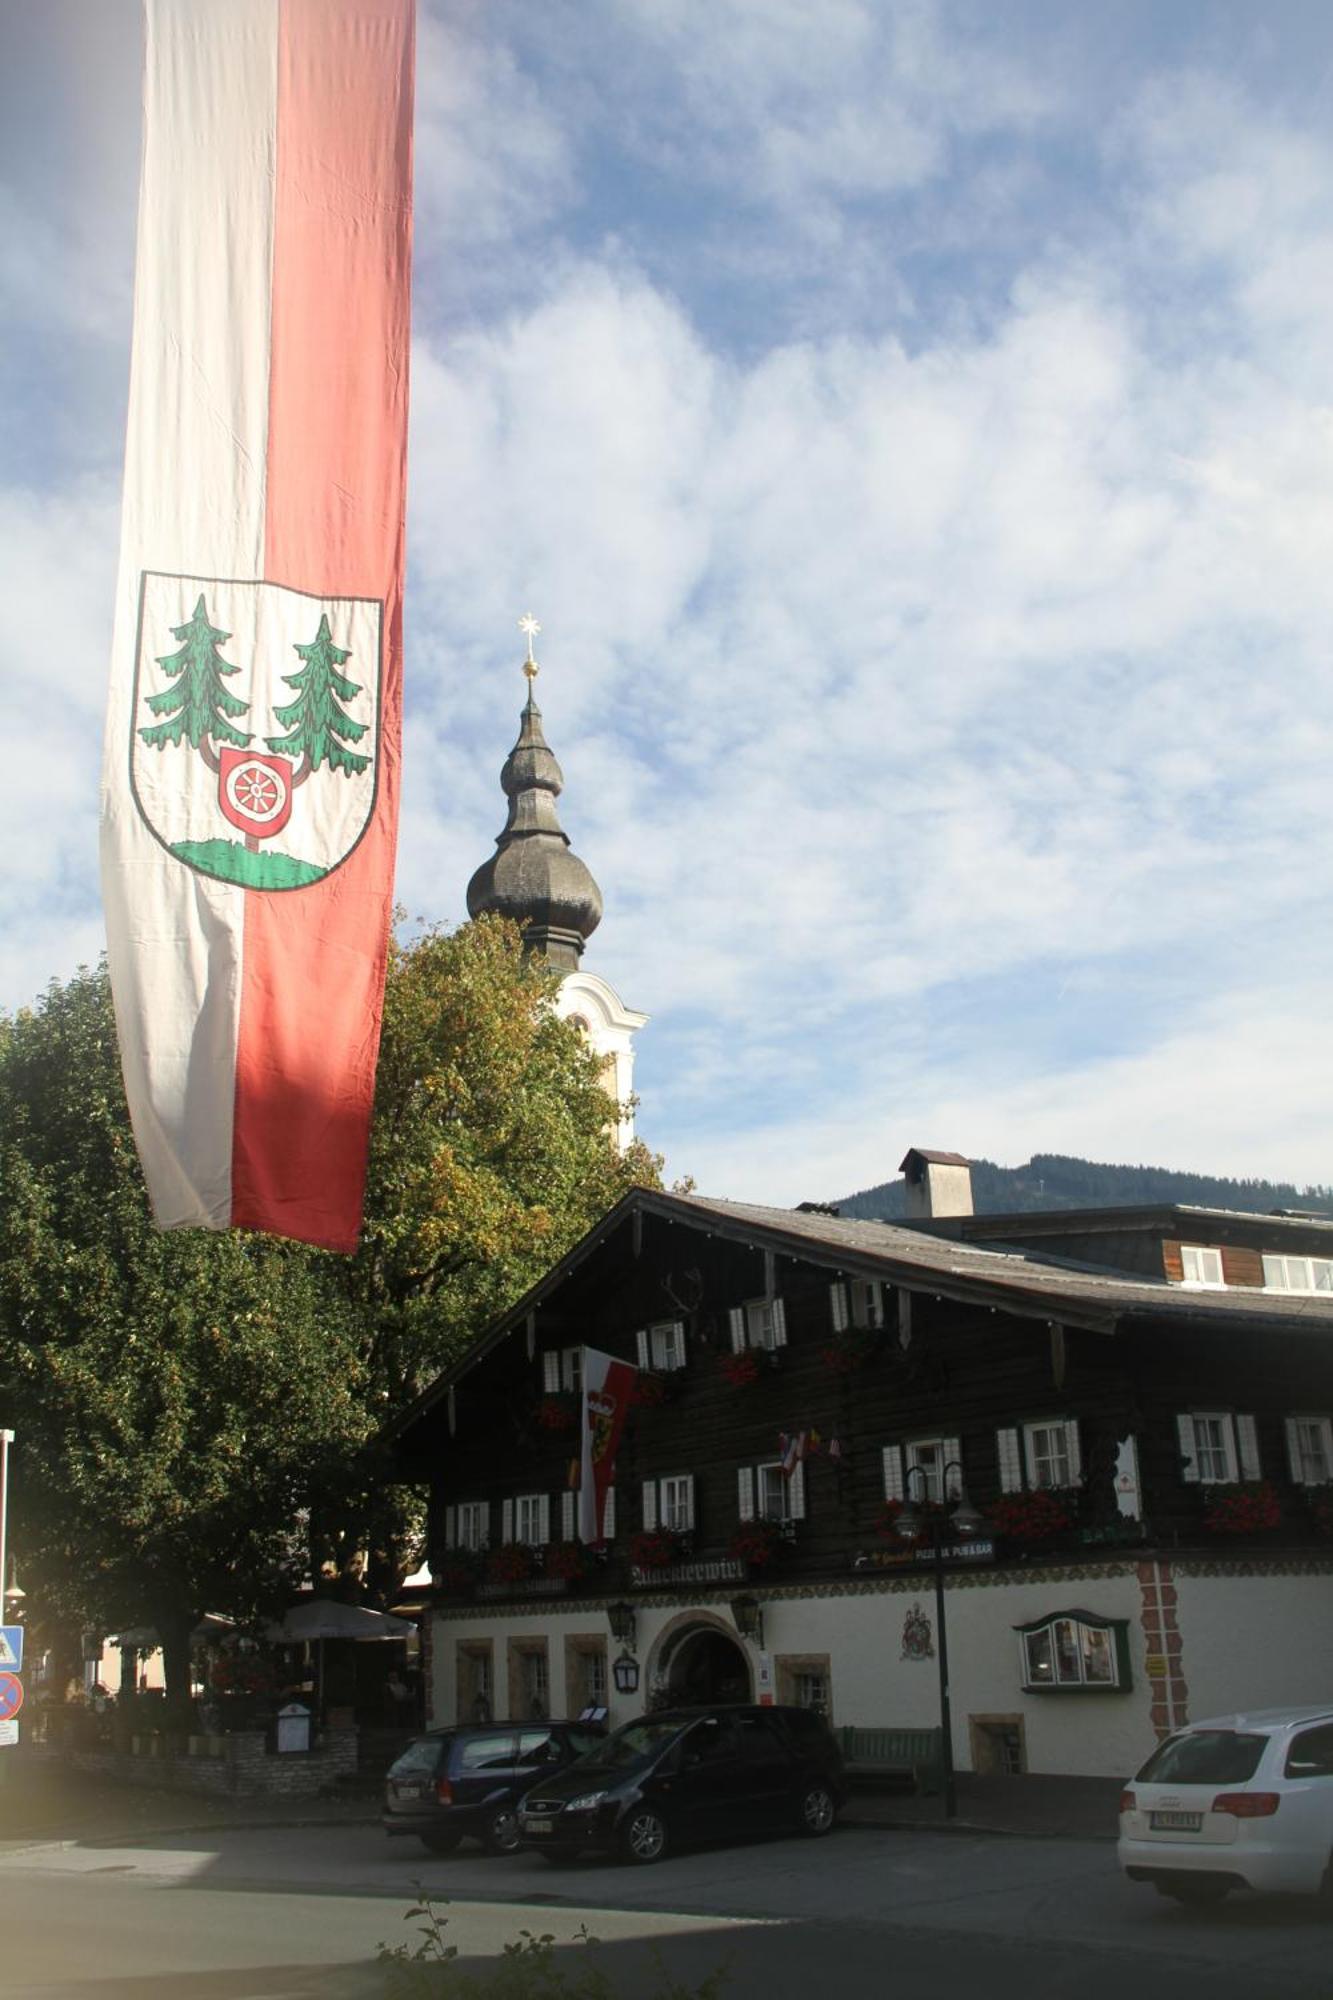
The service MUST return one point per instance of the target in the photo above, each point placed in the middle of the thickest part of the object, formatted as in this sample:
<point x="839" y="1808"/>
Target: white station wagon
<point x="1238" y="1802"/>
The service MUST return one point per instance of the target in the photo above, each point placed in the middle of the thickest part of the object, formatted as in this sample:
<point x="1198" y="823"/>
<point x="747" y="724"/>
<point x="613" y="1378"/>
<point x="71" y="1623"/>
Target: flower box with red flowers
<point x="1029" y="1519"/>
<point x="458" y="1571"/>
<point x="742" y="1370"/>
<point x="758" y="1544"/>
<point x="1249" y="1509"/>
<point x="845" y="1352"/>
<point x="886" y="1526"/>
<point x="511" y="1562"/>
<point x="1319" y="1499"/>
<point x="558" y="1413"/>
<point x="566" y="1561"/>
<point x="657" y="1548"/>
<point x="241" y="1674"/>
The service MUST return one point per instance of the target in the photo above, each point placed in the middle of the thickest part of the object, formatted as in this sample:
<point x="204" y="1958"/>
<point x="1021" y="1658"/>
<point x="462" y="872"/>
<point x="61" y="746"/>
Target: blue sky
<point x="913" y="425"/>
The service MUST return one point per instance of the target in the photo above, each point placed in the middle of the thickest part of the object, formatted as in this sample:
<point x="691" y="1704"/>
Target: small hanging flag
<point x="793" y="1454"/>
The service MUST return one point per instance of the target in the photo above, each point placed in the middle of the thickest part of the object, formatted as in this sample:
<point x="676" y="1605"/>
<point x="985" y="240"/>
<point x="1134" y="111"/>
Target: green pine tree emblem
<point x="318" y="728"/>
<point x="198" y="704"/>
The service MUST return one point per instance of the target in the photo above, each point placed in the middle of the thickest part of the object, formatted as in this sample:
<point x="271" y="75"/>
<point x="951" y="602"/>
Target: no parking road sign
<point x="11" y="1696"/>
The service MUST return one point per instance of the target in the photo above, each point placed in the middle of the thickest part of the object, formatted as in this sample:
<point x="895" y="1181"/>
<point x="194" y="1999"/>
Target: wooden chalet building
<point x="1139" y="1402"/>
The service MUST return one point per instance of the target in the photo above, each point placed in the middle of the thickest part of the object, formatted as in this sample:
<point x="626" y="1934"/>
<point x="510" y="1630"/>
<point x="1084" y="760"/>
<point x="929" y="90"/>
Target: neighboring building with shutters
<point x="1151" y="1445"/>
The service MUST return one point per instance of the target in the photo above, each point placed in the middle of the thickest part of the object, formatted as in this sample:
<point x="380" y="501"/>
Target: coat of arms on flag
<point x="255" y="726"/>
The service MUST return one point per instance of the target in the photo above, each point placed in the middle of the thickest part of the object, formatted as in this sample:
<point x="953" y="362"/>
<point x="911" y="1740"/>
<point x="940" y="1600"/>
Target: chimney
<point x="937" y="1184"/>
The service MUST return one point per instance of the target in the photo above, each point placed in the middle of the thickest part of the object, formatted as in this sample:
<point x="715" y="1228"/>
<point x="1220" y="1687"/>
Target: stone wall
<point x="245" y="1767"/>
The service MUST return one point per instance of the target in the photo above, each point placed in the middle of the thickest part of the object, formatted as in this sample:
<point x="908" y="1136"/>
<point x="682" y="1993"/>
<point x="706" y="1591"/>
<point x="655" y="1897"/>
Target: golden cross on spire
<point x="527" y="623"/>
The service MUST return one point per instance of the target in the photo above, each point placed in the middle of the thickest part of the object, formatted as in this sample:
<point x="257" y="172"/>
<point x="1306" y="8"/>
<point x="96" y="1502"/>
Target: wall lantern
<point x="749" y="1615"/>
<point x="625" y="1674"/>
<point x="624" y="1625"/>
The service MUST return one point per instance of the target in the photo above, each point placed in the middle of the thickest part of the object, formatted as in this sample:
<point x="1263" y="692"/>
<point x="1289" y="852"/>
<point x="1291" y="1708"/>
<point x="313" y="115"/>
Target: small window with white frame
<point x="472" y="1524"/>
<point x="669" y="1503"/>
<point x="856" y="1302"/>
<point x="1201" y="1265"/>
<point x="766" y="1492"/>
<point x="562" y="1370"/>
<point x="662" y="1346"/>
<point x="1298" y="1274"/>
<point x="811" y="1691"/>
<point x="1040" y="1455"/>
<point x="1217" y="1447"/>
<point x="759" y="1323"/>
<point x="532" y="1519"/>
<point x="1310" y="1450"/>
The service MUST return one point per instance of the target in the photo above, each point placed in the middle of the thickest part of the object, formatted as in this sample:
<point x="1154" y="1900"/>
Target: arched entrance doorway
<point x="701" y="1664"/>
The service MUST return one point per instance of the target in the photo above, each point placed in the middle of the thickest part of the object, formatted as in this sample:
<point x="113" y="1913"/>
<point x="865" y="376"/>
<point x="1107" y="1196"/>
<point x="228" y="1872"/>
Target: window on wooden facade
<point x="1041" y="1454"/>
<point x="1310" y="1450"/>
<point x="562" y="1368"/>
<point x="1074" y="1650"/>
<point x="931" y="1456"/>
<point x="662" y="1346"/>
<point x="759" y="1323"/>
<point x="1217" y="1447"/>
<point x="856" y="1302"/>
<point x="528" y="1519"/>
<point x="764" y="1492"/>
<point x="468" y="1525"/>
<point x="1201" y="1266"/>
<point x="669" y="1502"/>
<point x="1298" y="1274"/>
<point x="569" y="1515"/>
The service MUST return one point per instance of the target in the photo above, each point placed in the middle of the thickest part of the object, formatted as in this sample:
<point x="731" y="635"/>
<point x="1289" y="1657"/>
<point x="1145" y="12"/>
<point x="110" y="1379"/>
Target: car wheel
<point x="440" y="1843"/>
<point x="818" y="1811"/>
<point x="643" y="1837"/>
<point x="1197" y="1891"/>
<point x="501" y="1835"/>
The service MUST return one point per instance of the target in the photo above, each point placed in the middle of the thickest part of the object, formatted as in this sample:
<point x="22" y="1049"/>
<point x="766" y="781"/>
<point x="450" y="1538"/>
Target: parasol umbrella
<point x="321" y="1618"/>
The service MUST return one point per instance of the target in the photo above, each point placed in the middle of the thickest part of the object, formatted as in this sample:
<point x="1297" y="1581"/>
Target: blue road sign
<point x="11" y="1696"/>
<point x="11" y="1647"/>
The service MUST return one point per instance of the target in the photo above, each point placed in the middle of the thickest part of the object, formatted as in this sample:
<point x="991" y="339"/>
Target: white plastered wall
<point x="1256" y="1641"/>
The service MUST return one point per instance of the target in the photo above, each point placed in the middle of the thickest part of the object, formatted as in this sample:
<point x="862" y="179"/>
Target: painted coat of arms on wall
<point x="918" y="1639"/>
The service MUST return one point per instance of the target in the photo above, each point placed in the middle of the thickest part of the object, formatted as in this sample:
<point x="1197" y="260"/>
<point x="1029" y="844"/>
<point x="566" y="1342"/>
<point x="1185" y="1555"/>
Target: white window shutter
<point x="875" y="1302"/>
<point x="796" y="1493"/>
<point x="837" y="1293"/>
<point x="609" y="1515"/>
<point x="1189" y="1463"/>
<point x="745" y="1492"/>
<point x="570" y="1369"/>
<point x="689" y="1503"/>
<point x="1010" y="1461"/>
<point x="779" y="1323"/>
<point x="1075" y="1455"/>
<point x="551" y="1371"/>
<point x="737" y="1317"/>
<point x="567" y="1501"/>
<point x="650" y="1503"/>
<point x="485" y="1541"/>
<point x="1247" y="1442"/>
<point x="678" y="1328"/>
<point x="451" y="1527"/>
<point x="507" y="1521"/>
<point x="1293" y="1451"/>
<point x="641" y="1342"/>
<point x="893" y="1472"/>
<point x="953" y="1456"/>
<point x="544" y="1519"/>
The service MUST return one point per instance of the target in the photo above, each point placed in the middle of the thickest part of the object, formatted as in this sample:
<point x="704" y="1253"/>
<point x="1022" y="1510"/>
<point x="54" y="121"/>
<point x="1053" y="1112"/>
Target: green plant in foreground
<point x="527" y="1969"/>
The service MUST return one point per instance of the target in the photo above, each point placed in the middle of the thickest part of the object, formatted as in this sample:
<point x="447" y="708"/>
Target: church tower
<point x="535" y="878"/>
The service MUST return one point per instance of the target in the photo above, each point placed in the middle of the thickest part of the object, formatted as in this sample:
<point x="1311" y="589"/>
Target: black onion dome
<point x="534" y="876"/>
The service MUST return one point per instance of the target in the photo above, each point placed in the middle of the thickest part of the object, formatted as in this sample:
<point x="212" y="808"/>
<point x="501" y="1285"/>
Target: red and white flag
<point x="250" y="789"/>
<point x="608" y="1387"/>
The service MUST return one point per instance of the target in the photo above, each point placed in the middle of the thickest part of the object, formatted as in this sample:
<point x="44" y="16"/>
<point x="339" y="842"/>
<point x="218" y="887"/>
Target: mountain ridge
<point x="1063" y="1180"/>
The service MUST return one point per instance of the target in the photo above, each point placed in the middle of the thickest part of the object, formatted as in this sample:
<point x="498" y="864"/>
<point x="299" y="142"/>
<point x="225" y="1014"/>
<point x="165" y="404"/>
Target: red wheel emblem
<point x="255" y="792"/>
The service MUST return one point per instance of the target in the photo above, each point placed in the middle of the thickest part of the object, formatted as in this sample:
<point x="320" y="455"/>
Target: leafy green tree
<point x="170" y="1392"/>
<point x="197" y="1414"/>
<point x="315" y="722"/>
<point x="198" y="704"/>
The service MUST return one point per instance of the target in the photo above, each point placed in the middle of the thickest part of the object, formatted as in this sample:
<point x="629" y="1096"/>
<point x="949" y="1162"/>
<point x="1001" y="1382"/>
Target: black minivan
<point x="683" y="1775"/>
<point x="467" y="1781"/>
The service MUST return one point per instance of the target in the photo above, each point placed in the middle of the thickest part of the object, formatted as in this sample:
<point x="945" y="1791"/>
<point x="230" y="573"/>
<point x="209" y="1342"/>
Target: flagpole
<point x="6" y="1439"/>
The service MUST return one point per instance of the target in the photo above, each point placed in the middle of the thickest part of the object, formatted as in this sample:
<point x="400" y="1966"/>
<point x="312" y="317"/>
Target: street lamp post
<point x="966" y="1520"/>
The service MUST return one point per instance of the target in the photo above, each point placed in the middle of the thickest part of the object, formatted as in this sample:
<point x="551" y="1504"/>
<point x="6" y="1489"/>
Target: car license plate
<point x="1175" y="1822"/>
<point x="538" y="1826"/>
<point x="408" y="1791"/>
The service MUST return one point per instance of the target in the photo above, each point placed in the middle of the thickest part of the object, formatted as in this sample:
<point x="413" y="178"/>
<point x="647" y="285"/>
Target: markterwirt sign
<point x="255" y="726"/>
